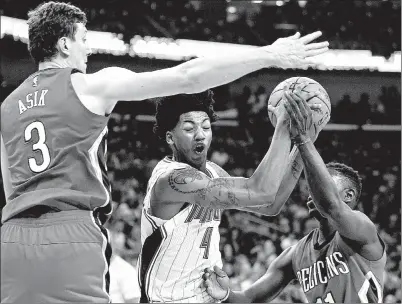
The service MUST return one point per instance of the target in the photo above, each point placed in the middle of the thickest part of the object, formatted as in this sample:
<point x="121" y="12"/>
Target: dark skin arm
<point x="279" y="274"/>
<point x="353" y="225"/>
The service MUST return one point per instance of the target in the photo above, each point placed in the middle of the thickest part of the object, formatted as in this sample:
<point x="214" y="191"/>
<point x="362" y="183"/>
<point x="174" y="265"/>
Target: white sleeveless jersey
<point x="175" y="252"/>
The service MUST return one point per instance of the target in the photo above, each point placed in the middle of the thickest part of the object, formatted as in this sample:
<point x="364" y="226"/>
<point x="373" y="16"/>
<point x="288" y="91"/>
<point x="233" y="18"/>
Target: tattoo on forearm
<point x="296" y="168"/>
<point x="181" y="181"/>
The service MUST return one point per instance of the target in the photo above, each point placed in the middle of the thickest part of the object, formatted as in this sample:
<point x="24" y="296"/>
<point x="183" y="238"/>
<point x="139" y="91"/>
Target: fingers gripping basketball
<point x="312" y="92"/>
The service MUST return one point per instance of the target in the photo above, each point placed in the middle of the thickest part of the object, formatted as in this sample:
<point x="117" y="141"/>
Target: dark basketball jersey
<point x="333" y="272"/>
<point x="56" y="147"/>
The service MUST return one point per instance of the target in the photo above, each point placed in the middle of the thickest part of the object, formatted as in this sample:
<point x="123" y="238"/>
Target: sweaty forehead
<point x="194" y="116"/>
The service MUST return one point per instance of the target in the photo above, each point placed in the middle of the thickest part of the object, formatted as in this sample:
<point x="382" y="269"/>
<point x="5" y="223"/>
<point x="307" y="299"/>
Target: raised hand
<point x="301" y="117"/>
<point x="296" y="51"/>
<point x="216" y="283"/>
<point x="281" y="116"/>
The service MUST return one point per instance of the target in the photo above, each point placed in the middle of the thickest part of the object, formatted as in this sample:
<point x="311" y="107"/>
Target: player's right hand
<point x="216" y="282"/>
<point x="301" y="117"/>
<point x="296" y="51"/>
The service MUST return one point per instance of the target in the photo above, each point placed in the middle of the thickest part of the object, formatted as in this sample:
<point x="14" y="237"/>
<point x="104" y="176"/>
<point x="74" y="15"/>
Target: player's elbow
<point x="273" y="210"/>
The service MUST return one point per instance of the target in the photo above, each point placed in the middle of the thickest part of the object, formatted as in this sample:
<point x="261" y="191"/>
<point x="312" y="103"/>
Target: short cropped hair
<point x="169" y="109"/>
<point x="347" y="173"/>
<point x="49" y="22"/>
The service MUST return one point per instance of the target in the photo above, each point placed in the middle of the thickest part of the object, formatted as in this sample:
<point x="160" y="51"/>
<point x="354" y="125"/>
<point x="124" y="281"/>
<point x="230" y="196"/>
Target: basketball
<point x="306" y="85"/>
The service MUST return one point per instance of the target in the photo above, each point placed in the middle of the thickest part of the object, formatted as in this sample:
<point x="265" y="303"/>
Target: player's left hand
<point x="216" y="282"/>
<point x="282" y="117"/>
<point x="296" y="51"/>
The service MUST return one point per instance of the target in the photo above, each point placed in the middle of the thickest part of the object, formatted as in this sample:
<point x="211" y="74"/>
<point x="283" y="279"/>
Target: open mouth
<point x="199" y="148"/>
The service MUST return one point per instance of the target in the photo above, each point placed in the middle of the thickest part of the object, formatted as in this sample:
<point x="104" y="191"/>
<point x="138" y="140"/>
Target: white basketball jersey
<point x="175" y="252"/>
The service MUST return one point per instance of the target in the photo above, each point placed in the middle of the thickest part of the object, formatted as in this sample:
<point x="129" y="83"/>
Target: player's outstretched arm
<point x="5" y="173"/>
<point x="351" y="224"/>
<point x="279" y="274"/>
<point x="191" y="185"/>
<point x="112" y="84"/>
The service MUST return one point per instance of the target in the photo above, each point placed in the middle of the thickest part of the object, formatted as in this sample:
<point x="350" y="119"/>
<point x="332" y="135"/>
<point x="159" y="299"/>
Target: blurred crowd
<point x="358" y="24"/>
<point x="384" y="109"/>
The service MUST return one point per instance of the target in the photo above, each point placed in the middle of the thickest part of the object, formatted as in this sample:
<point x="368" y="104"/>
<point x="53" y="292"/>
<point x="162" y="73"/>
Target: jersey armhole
<point x="343" y="244"/>
<point x="70" y="82"/>
<point x="152" y="187"/>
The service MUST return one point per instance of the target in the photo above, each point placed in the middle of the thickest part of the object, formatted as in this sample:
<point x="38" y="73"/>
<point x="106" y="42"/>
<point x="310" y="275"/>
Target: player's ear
<point x="169" y="138"/>
<point x="63" y="46"/>
<point x="349" y="196"/>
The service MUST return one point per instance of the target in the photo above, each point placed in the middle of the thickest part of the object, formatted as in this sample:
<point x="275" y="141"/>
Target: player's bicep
<point x="181" y="185"/>
<point x="122" y="84"/>
<point x="5" y="173"/>
<point x="354" y="225"/>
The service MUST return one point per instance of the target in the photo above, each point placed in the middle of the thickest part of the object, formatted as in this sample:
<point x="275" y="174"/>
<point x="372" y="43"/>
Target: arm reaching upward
<point x="353" y="225"/>
<point x="279" y="274"/>
<point x="112" y="84"/>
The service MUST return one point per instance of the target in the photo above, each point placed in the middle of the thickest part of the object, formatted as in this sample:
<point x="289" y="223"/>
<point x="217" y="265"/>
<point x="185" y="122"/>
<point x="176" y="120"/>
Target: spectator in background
<point x="124" y="287"/>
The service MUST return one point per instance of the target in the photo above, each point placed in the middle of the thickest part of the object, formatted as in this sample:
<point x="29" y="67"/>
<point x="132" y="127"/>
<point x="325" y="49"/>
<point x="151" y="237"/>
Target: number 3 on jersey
<point x="40" y="145"/>
<point x="206" y="241"/>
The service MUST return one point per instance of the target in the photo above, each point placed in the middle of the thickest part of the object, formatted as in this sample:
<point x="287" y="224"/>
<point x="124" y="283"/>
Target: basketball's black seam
<point x="276" y="91"/>
<point x="323" y="101"/>
<point x="307" y="86"/>
<point x="294" y="84"/>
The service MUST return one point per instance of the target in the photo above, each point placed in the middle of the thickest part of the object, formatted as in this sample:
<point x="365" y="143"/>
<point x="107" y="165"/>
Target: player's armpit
<point x="193" y="186"/>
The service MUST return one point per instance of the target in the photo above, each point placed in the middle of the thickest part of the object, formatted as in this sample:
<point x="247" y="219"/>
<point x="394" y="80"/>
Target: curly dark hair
<point x="348" y="173"/>
<point x="169" y="109"/>
<point x="49" y="22"/>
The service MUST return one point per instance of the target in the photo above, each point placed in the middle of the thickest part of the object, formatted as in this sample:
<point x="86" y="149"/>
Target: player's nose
<point x="199" y="134"/>
<point x="88" y="50"/>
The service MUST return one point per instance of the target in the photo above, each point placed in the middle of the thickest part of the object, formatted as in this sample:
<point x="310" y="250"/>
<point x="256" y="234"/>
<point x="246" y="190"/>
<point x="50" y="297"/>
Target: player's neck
<point x="53" y="64"/>
<point x="326" y="230"/>
<point x="202" y="167"/>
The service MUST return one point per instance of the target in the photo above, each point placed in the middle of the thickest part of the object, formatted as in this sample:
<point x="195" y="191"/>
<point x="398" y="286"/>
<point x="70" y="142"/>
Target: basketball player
<point x="53" y="130"/>
<point x="186" y="194"/>
<point x="343" y="260"/>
